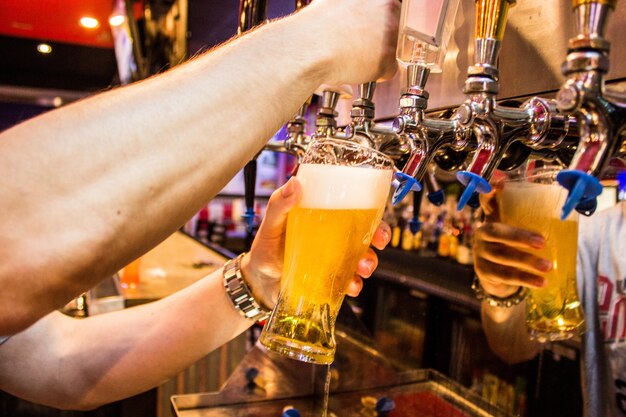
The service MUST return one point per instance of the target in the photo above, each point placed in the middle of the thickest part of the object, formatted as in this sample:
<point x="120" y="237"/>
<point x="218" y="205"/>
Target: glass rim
<point x="545" y="172"/>
<point x="350" y="143"/>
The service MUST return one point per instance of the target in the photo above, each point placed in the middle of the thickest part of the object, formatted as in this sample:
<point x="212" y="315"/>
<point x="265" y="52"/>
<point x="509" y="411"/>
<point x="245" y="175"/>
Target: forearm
<point x="505" y="329"/>
<point x="89" y="187"/>
<point x="81" y="364"/>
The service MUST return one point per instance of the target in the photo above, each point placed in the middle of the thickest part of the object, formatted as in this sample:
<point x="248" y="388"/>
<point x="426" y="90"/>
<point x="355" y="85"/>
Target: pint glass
<point x="533" y="201"/>
<point x="344" y="192"/>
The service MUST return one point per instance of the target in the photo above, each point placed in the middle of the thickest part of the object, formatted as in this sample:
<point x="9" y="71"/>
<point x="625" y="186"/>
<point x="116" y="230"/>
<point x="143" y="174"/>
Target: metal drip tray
<point x="264" y="383"/>
<point x="429" y="394"/>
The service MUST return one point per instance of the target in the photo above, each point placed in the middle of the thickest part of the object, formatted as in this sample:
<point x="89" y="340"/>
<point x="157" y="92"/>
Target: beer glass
<point x="344" y="191"/>
<point x="533" y="201"/>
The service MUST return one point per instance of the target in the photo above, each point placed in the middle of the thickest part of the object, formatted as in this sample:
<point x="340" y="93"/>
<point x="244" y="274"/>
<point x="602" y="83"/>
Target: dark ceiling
<point x="83" y="59"/>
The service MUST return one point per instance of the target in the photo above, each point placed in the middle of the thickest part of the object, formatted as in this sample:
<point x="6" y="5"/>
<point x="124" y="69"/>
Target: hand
<point x="263" y="266"/>
<point x="501" y="254"/>
<point x="361" y="35"/>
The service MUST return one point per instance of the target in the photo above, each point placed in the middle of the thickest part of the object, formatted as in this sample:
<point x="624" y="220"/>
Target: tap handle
<point x="249" y="176"/>
<point x="415" y="224"/>
<point x="301" y="3"/>
<point x="473" y="184"/>
<point x="491" y="16"/>
<point x="406" y="183"/>
<point x="591" y="22"/>
<point x="251" y="14"/>
<point x="435" y="195"/>
<point x="583" y="190"/>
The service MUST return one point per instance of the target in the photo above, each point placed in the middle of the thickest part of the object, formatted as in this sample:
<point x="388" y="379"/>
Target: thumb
<point x="279" y="205"/>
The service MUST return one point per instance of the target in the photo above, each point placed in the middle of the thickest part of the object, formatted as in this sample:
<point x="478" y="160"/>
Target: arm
<point x="502" y="264"/>
<point x="89" y="187"/>
<point x="82" y="363"/>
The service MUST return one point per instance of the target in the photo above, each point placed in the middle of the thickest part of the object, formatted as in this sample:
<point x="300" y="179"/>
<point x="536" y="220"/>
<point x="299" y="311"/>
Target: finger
<point x="513" y="236"/>
<point x="498" y="274"/>
<point x="355" y="286"/>
<point x="513" y="257"/>
<point x="382" y="236"/>
<point x="367" y="264"/>
<point x="488" y="201"/>
<point x="281" y="201"/>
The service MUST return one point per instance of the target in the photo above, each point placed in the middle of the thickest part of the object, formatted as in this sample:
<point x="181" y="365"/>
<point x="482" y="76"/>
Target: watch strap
<point x="239" y="292"/>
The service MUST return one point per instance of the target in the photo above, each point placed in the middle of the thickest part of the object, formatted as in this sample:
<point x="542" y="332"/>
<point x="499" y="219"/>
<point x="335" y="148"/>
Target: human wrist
<point x="254" y="280"/>
<point x="503" y="296"/>
<point x="240" y="291"/>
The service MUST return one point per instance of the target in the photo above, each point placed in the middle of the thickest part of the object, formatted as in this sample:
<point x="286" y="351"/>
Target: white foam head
<point x="343" y="187"/>
<point x="544" y="200"/>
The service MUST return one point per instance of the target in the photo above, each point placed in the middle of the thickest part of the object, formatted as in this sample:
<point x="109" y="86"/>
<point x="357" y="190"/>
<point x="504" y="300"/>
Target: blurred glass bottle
<point x="130" y="274"/>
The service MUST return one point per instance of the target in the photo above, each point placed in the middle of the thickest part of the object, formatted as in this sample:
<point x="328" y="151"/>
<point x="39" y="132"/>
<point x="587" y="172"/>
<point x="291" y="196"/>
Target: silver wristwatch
<point x="240" y="293"/>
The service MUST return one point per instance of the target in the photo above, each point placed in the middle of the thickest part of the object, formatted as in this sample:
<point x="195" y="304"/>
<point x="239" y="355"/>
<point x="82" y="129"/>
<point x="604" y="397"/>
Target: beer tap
<point x="326" y="120"/>
<point x="500" y="134"/>
<point x="429" y="138"/>
<point x="363" y="129"/>
<point x="425" y="31"/>
<point x="297" y="140"/>
<point x="600" y="117"/>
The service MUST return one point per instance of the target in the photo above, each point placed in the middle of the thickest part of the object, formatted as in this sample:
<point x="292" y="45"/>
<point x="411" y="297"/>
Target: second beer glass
<point x="534" y="201"/>
<point x="345" y="188"/>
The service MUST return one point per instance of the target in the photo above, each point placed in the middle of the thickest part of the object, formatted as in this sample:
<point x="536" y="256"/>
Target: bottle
<point x="130" y="274"/>
<point x="407" y="238"/>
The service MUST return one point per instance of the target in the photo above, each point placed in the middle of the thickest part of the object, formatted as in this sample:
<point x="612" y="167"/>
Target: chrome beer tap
<point x="297" y="141"/>
<point x="326" y="120"/>
<point x="498" y="131"/>
<point x="600" y="117"/>
<point x="363" y="129"/>
<point x="429" y="138"/>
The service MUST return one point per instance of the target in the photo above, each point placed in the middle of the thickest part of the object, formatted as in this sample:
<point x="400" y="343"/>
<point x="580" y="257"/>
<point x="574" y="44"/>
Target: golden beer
<point x="327" y="233"/>
<point x="554" y="312"/>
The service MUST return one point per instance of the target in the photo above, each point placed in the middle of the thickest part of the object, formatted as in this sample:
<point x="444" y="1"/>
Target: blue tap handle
<point x="587" y="207"/>
<point x="474" y="200"/>
<point x="473" y="183"/>
<point x="248" y="218"/>
<point x="437" y="198"/>
<point x="291" y="412"/>
<point x="384" y="405"/>
<point x="582" y="188"/>
<point x="406" y="183"/>
<point x="415" y="224"/>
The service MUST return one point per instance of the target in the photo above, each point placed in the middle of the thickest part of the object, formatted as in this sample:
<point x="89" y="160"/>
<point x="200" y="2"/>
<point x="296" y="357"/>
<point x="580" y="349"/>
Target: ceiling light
<point x="117" y="20"/>
<point x="44" y="48"/>
<point x="89" y="22"/>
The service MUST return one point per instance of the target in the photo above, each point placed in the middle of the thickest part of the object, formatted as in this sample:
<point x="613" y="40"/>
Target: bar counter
<point x="430" y="274"/>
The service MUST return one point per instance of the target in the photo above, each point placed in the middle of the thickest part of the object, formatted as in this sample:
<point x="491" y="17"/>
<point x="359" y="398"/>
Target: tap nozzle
<point x="591" y="21"/>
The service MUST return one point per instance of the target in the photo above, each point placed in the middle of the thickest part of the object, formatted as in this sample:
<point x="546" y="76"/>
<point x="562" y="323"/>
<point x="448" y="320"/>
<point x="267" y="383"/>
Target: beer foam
<point x="547" y="198"/>
<point x="343" y="187"/>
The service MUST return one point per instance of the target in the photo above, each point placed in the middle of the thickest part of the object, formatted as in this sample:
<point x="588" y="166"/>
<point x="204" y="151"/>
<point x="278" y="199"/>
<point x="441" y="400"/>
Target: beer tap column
<point x="297" y="140"/>
<point x="363" y="127"/>
<point x="326" y="121"/>
<point x="600" y="119"/>
<point x="425" y="31"/>
<point x="479" y="113"/>
<point x="425" y="136"/>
